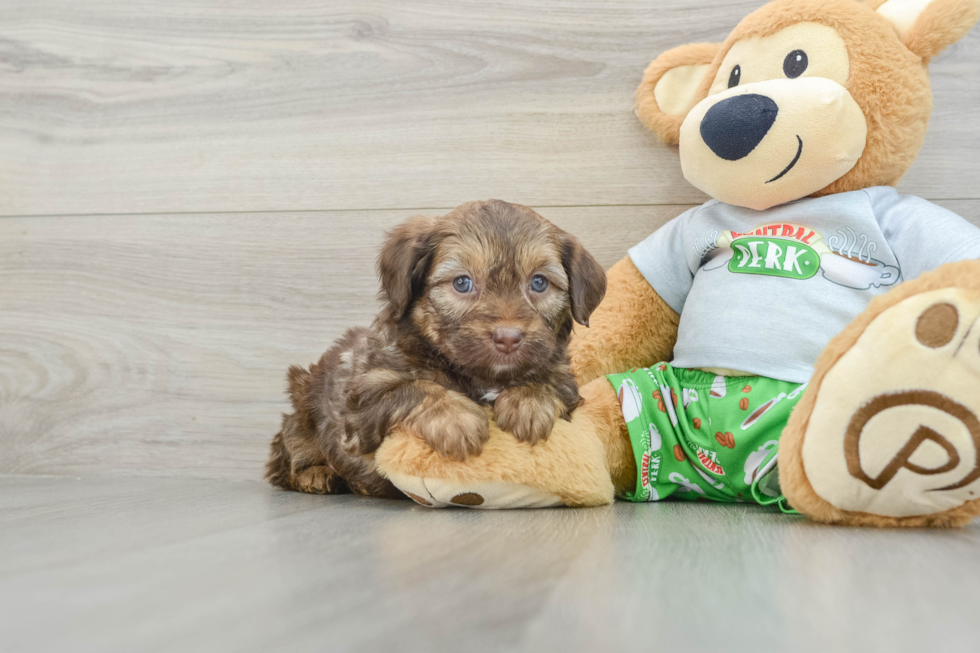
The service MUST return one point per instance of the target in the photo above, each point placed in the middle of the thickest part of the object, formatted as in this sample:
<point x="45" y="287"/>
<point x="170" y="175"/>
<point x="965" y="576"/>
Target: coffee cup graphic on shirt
<point x="857" y="273"/>
<point x="718" y="257"/>
<point x="794" y="251"/>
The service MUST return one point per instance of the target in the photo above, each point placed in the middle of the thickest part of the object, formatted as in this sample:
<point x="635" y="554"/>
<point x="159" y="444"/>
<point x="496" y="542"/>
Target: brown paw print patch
<point x="467" y="499"/>
<point x="937" y="325"/>
<point x="417" y="499"/>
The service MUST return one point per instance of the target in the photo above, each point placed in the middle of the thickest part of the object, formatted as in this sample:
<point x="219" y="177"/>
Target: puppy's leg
<point x="449" y="422"/>
<point x="528" y="411"/>
<point x="296" y="463"/>
<point x="382" y="400"/>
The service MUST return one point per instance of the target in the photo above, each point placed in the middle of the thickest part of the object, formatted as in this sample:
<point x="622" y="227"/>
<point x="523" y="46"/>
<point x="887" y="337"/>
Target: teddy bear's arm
<point x="632" y="327"/>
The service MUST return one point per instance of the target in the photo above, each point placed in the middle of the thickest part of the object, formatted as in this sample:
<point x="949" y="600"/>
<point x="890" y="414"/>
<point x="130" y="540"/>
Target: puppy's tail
<point x="300" y="385"/>
<point x="278" y="468"/>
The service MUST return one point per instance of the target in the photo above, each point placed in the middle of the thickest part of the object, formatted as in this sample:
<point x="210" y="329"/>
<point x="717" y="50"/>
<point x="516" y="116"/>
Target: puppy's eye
<point x="539" y="283"/>
<point x="463" y="284"/>
<point x="795" y="64"/>
<point x="735" y="77"/>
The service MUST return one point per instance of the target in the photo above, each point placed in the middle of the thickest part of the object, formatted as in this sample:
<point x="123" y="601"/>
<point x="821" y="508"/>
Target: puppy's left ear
<point x="586" y="279"/>
<point x="403" y="264"/>
<point x="927" y="27"/>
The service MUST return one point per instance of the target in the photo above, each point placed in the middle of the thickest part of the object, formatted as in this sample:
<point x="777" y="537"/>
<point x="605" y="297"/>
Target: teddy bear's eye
<point x="735" y="77"/>
<point x="795" y="64"/>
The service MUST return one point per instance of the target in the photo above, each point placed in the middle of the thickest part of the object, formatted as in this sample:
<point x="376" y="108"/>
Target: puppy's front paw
<point x="452" y="425"/>
<point x="527" y="412"/>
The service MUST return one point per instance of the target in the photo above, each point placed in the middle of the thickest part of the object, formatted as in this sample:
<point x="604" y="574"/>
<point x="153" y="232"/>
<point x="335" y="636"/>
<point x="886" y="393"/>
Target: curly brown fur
<point x="440" y="348"/>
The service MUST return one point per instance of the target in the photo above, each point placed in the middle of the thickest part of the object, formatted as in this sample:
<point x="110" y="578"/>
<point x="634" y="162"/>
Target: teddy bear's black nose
<point x="733" y="127"/>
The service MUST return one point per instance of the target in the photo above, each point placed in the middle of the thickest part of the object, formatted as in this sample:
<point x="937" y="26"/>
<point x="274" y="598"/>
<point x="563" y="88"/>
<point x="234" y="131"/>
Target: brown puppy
<point x="477" y="309"/>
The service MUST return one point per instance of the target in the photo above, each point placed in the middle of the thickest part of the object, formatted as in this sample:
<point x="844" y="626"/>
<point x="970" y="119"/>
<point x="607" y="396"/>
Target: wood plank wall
<point x="192" y="193"/>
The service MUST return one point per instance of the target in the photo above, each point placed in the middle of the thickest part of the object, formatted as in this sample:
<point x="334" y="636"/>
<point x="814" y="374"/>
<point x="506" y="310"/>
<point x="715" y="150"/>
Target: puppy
<point x="477" y="310"/>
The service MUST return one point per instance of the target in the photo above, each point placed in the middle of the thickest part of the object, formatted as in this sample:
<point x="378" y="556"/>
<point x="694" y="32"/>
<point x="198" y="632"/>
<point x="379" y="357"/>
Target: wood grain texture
<point x="161" y="565"/>
<point x="159" y="344"/>
<point x="191" y="106"/>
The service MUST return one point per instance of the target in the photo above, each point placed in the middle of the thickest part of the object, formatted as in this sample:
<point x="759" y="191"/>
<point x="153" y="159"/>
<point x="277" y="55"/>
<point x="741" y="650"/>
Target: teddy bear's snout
<point x="734" y="127"/>
<point x="765" y="143"/>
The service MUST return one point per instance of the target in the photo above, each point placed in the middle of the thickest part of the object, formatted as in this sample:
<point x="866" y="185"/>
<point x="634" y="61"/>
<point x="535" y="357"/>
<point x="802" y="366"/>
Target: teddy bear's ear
<point x="671" y="87"/>
<point x="927" y="27"/>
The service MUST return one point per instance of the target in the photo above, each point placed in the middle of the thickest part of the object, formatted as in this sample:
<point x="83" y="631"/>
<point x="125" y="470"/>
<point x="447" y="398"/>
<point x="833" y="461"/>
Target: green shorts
<point x="696" y="435"/>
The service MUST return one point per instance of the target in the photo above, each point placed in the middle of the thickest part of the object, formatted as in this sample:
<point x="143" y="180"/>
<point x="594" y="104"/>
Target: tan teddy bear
<point x="809" y="337"/>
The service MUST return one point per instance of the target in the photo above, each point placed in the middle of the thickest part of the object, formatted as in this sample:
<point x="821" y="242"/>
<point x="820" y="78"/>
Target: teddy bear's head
<point x="804" y="97"/>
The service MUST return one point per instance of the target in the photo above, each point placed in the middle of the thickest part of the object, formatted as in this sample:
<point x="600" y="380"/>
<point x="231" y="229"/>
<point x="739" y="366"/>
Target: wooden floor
<point x="191" y="197"/>
<point x="123" y="565"/>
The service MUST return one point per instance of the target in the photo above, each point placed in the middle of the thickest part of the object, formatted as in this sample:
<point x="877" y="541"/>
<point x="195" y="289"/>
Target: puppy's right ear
<point x="404" y="262"/>
<point x="586" y="279"/>
<point x="671" y="86"/>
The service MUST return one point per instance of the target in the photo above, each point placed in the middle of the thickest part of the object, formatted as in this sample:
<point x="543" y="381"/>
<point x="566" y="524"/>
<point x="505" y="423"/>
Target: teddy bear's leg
<point x="888" y="433"/>
<point x="584" y="462"/>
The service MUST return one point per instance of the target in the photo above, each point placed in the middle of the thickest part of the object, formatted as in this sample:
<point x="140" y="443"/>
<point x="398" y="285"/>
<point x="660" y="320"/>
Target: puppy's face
<point x="493" y="286"/>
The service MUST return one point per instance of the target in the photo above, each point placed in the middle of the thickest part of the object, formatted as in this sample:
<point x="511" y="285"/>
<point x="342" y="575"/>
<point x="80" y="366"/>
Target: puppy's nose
<point x="733" y="127"/>
<point x="507" y="339"/>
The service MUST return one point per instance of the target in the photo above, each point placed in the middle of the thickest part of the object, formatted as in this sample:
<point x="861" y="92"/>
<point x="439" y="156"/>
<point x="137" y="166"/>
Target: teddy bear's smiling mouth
<point x="792" y="163"/>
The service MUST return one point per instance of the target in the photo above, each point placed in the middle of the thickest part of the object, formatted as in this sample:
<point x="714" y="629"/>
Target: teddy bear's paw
<point x="437" y="493"/>
<point x="894" y="433"/>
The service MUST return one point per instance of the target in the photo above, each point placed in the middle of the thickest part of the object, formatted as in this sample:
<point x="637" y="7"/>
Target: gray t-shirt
<point x="764" y="292"/>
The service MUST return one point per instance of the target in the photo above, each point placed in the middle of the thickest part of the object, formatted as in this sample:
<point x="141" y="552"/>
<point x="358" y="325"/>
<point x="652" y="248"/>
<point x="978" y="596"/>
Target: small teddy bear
<point x="809" y="337"/>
